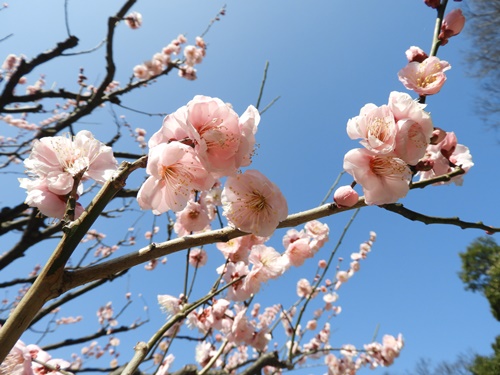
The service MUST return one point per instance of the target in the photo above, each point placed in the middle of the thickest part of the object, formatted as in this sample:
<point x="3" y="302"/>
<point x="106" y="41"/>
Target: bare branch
<point x="415" y="216"/>
<point x="101" y="333"/>
<point x="26" y="67"/>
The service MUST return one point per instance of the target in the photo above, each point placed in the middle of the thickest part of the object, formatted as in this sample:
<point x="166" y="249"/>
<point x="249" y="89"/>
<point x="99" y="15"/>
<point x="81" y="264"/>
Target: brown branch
<point x="26" y="67"/>
<point x="48" y="284"/>
<point x="268" y="359"/>
<point x="10" y="213"/>
<point x="107" y="269"/>
<point x="68" y="297"/>
<point x="443" y="178"/>
<point x="37" y="108"/>
<point x="416" y="216"/>
<point x="101" y="333"/>
<point x="48" y="94"/>
<point x="31" y="236"/>
<point x="98" y="97"/>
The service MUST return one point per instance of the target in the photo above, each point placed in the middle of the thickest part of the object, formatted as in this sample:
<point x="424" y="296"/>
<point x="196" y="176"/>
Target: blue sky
<point x="327" y="60"/>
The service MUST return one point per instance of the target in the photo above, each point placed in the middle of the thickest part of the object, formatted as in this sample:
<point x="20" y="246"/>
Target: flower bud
<point x="345" y="196"/>
<point x="415" y="54"/>
<point x="438" y="135"/>
<point x="453" y="24"/>
<point x="432" y="3"/>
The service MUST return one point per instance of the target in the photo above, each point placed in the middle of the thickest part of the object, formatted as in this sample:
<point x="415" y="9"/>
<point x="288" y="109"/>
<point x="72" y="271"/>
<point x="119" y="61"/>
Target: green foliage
<point x="483" y="365"/>
<point x="481" y="271"/>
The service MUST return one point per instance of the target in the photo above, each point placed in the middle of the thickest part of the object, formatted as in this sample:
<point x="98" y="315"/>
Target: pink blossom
<point x="384" y="178"/>
<point x="376" y="128"/>
<point x="170" y="304"/>
<point x="391" y="347"/>
<point x="43" y="358"/>
<point x="141" y="71"/>
<point x="193" y="218"/>
<point x="165" y="365"/>
<point x="248" y="124"/>
<point x="59" y="159"/>
<point x="10" y="62"/>
<point x="317" y="230"/>
<point x="452" y="25"/>
<point x="253" y="204"/>
<point x="304" y="288"/>
<point x="187" y="72"/>
<point x="223" y="141"/>
<point x="18" y="361"/>
<point x="238" y="249"/>
<point x="345" y="196"/>
<point x="415" y="54"/>
<point x="415" y="127"/>
<point x="175" y="172"/>
<point x="197" y="257"/>
<point x="331" y="297"/>
<point x="238" y="291"/>
<point x="204" y="352"/>
<point x="318" y="233"/>
<point x="442" y="157"/>
<point x="267" y="262"/>
<point x="312" y="325"/>
<point x="175" y="127"/>
<point x="218" y="128"/>
<point x="293" y="235"/>
<point x="47" y="202"/>
<point x="298" y="251"/>
<point x="200" y="42"/>
<point x="241" y="330"/>
<point x="425" y="78"/>
<point x="260" y="339"/>
<point x="193" y="55"/>
<point x="134" y="20"/>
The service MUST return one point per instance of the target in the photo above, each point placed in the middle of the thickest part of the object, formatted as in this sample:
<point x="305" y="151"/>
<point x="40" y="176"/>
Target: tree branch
<point x="26" y="67"/>
<point x="415" y="216"/>
<point x="49" y="283"/>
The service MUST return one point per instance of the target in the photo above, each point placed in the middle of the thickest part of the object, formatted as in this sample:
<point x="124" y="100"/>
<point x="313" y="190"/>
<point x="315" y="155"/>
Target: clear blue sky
<point x="327" y="60"/>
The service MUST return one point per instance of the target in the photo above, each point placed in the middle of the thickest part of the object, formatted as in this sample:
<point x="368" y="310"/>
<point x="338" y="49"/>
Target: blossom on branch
<point x="253" y="204"/>
<point x="222" y="141"/>
<point x="54" y="163"/>
<point x="425" y="78"/>
<point x="384" y="178"/>
<point x="175" y="171"/>
<point x="443" y="157"/>
<point x="452" y="25"/>
<point x="134" y="20"/>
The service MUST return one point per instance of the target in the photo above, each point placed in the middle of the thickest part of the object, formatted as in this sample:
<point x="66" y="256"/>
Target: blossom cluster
<point x="441" y="157"/>
<point x="400" y="139"/>
<point x="55" y="162"/>
<point x="394" y="136"/>
<point x="31" y="360"/>
<point x="196" y="145"/>
<point x="354" y="266"/>
<point x="375" y="355"/>
<point x="193" y="55"/>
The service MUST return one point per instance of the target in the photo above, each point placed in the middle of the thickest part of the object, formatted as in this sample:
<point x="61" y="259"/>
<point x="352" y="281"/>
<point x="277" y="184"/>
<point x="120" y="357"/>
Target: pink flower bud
<point x="415" y="54"/>
<point x="453" y="24"/>
<point x="424" y="165"/>
<point x="448" y="144"/>
<point x="454" y="21"/>
<point x="438" y="135"/>
<point x="432" y="3"/>
<point x="345" y="196"/>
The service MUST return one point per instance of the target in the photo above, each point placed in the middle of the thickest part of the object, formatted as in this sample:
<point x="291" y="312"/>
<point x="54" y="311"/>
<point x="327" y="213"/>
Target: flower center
<point x="386" y="166"/>
<point x="257" y="202"/>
